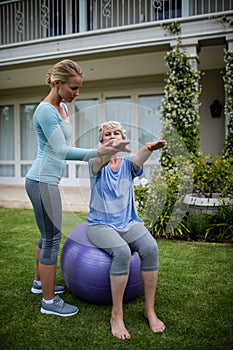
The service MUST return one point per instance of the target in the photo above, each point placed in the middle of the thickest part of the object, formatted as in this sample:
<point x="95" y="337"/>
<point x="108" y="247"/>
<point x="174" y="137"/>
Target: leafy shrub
<point x="212" y="228"/>
<point x="197" y="224"/>
<point x="220" y="226"/>
<point x="161" y="206"/>
<point x="158" y="201"/>
<point x="213" y="176"/>
<point x="141" y="193"/>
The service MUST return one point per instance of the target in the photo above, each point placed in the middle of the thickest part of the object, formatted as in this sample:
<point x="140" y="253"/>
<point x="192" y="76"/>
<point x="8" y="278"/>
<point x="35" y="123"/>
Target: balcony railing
<point x="24" y="20"/>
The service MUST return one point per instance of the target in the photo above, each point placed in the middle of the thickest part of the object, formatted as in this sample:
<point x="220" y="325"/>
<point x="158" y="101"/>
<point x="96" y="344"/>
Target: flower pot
<point x="200" y="204"/>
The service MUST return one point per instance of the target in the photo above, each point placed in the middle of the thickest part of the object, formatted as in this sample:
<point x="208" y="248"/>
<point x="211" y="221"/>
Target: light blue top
<point x="53" y="134"/>
<point x="112" y="196"/>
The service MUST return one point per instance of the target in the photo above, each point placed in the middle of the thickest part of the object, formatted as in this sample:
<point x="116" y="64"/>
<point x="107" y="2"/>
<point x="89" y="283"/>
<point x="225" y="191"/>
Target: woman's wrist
<point x="148" y="147"/>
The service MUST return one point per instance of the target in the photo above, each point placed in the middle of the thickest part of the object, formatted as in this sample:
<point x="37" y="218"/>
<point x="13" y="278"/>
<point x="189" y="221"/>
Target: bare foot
<point x="155" y="324"/>
<point x="118" y="329"/>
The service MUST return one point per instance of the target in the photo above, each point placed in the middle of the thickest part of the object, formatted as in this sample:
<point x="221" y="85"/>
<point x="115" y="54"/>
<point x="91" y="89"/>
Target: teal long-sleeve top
<point x="53" y="134"/>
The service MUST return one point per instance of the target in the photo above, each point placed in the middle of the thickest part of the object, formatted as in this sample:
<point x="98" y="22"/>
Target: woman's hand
<point x="153" y="146"/>
<point x="112" y="147"/>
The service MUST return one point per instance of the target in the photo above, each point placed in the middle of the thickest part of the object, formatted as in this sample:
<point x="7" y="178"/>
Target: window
<point x="28" y="141"/>
<point x="120" y="109"/>
<point x="141" y="121"/>
<point x="149" y="118"/>
<point x="7" y="142"/>
<point x="139" y="114"/>
<point x="149" y="127"/>
<point x="86" y="129"/>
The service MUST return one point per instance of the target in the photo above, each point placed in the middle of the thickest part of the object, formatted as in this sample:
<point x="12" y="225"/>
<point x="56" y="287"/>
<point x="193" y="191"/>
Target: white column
<point x="229" y="39"/>
<point x="191" y="47"/>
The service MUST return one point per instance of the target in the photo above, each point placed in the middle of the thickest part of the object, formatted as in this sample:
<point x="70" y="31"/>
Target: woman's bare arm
<point x="145" y="152"/>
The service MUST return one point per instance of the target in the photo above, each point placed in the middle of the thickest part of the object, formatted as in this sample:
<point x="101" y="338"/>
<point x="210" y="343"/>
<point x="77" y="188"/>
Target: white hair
<point x="113" y="125"/>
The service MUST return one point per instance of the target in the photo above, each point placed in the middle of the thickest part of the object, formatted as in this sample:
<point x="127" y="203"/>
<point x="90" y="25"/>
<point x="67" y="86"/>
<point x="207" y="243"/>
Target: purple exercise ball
<point x="86" y="270"/>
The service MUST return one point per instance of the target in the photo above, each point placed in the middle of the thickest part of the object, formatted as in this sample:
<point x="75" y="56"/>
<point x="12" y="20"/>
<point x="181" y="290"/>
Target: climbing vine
<point x="228" y="108"/>
<point x="180" y="107"/>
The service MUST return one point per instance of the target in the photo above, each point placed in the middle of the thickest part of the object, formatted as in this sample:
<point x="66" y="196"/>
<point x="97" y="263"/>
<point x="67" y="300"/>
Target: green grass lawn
<point x="194" y="298"/>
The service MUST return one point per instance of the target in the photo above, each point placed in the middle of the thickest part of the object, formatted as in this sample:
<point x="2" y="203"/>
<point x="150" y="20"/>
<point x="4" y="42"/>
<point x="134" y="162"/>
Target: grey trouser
<point x="120" y="246"/>
<point x="46" y="202"/>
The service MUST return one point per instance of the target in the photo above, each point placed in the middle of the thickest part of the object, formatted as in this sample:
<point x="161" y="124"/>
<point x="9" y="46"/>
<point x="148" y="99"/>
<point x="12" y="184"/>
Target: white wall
<point x="212" y="129"/>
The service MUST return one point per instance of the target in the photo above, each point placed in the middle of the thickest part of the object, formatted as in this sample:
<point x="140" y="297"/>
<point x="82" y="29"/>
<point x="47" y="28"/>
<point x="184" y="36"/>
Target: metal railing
<point x="24" y="20"/>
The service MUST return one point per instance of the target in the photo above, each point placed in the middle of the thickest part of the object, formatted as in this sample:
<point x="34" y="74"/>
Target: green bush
<point x="141" y="193"/>
<point x="213" y="176"/>
<point x="220" y="226"/>
<point x="157" y="202"/>
<point x="212" y="228"/>
<point x="197" y="224"/>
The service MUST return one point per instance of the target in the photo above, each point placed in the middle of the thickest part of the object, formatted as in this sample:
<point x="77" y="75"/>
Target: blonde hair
<point x="113" y="125"/>
<point x="62" y="71"/>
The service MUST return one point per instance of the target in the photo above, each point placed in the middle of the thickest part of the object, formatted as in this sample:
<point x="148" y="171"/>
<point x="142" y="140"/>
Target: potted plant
<point x="213" y="184"/>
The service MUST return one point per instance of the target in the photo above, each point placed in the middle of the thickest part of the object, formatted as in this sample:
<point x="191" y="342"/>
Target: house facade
<point x="121" y="47"/>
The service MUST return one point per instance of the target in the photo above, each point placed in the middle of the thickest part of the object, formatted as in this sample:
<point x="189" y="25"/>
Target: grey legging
<point x="46" y="202"/>
<point x="120" y="245"/>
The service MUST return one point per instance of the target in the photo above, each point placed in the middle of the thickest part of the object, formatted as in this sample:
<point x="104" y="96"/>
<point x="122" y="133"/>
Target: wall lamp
<point x="216" y="109"/>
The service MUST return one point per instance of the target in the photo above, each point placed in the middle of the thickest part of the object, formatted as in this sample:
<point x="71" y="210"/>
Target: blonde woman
<point x="53" y="129"/>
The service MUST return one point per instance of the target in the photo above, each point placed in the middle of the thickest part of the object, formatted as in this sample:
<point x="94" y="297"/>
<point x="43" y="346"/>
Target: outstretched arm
<point x="145" y="152"/>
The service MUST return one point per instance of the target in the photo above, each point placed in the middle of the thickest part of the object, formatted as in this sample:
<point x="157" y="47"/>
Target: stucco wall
<point x="212" y="129"/>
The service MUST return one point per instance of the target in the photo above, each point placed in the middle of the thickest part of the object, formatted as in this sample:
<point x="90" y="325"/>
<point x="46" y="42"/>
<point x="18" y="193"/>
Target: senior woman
<point x="115" y="227"/>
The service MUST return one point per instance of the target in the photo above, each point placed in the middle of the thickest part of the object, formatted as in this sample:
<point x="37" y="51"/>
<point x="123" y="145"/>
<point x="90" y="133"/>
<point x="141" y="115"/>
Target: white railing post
<point x="185" y="8"/>
<point x="69" y="15"/>
<point x="83" y="15"/>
